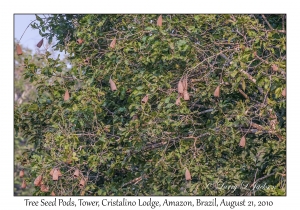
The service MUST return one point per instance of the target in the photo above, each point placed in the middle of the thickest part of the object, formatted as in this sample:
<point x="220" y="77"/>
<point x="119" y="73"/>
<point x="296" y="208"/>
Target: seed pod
<point x="82" y="183"/>
<point x="51" y="172"/>
<point x="217" y="92"/>
<point x="186" y="95"/>
<point x="159" y="21"/>
<point x="23" y="186"/>
<point x="274" y="67"/>
<point x="185" y="84"/>
<point x="178" y="101"/>
<point x="113" y="43"/>
<point x="38" y="180"/>
<point x="52" y="194"/>
<point x="76" y="173"/>
<point x="180" y="87"/>
<point x="19" y="50"/>
<point x="79" y="41"/>
<point x="44" y="188"/>
<point x="242" y="142"/>
<point x="21" y="174"/>
<point x="67" y="96"/>
<point x="86" y="61"/>
<point x="113" y="86"/>
<point x="55" y="175"/>
<point x="145" y="99"/>
<point x="58" y="172"/>
<point x="284" y="92"/>
<point x="188" y="175"/>
<point x="40" y="43"/>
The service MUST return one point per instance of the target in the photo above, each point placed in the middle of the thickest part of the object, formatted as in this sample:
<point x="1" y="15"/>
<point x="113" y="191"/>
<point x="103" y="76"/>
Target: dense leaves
<point x="135" y="140"/>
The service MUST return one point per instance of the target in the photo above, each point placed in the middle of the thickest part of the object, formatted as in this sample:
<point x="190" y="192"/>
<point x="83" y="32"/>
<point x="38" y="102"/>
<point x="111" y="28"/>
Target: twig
<point x="26" y="29"/>
<point x="244" y="94"/>
<point x="265" y="19"/>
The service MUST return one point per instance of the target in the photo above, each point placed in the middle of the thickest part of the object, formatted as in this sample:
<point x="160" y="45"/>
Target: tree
<point x="227" y="124"/>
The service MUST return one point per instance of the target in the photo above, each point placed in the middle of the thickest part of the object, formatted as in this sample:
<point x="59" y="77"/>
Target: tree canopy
<point x="152" y="104"/>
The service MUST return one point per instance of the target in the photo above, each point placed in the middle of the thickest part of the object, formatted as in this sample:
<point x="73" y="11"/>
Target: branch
<point x="265" y="19"/>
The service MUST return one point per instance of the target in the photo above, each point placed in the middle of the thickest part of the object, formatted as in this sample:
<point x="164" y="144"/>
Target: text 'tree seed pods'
<point x="79" y="41"/>
<point x="159" y="21"/>
<point x="217" y="92"/>
<point x="188" y="176"/>
<point x="113" y="43"/>
<point x="55" y="175"/>
<point x="38" y="181"/>
<point x="82" y="183"/>
<point x="113" y="86"/>
<point x="284" y="92"/>
<point x="67" y="95"/>
<point x="274" y="67"/>
<point x="145" y="99"/>
<point x="180" y="87"/>
<point x="23" y="186"/>
<point x="19" y="50"/>
<point x="178" y="101"/>
<point x="242" y="142"/>
<point x="21" y="174"/>
<point x="40" y="43"/>
<point x="186" y="95"/>
<point x="52" y="193"/>
<point x="76" y="173"/>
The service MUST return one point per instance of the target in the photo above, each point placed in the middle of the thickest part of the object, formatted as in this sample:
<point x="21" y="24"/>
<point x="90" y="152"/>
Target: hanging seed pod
<point x="159" y="21"/>
<point x="145" y="99"/>
<point x="113" y="43"/>
<point x="58" y="172"/>
<point x="186" y="95"/>
<point x="113" y="86"/>
<point x="217" y="92"/>
<point x="38" y="180"/>
<point x="44" y="188"/>
<point x="274" y="67"/>
<point x="67" y="95"/>
<point x="178" y="103"/>
<point x="86" y="61"/>
<point x="79" y="41"/>
<point x="180" y="87"/>
<point x="55" y="175"/>
<point x="19" y="50"/>
<point x="185" y="84"/>
<point x="76" y="173"/>
<point x="242" y="142"/>
<point x="82" y="183"/>
<point x="21" y="174"/>
<point x="51" y="172"/>
<point x="284" y="92"/>
<point x="40" y="43"/>
<point x="188" y="175"/>
<point x="52" y="194"/>
<point x="23" y="186"/>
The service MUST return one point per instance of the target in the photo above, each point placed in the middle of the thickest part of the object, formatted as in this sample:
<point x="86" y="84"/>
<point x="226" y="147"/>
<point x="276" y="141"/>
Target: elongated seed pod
<point x="180" y="87"/>
<point x="159" y="21"/>
<point x="113" y="43"/>
<point x="274" y="67"/>
<point x="38" y="180"/>
<point x="145" y="99"/>
<point x="242" y="142"/>
<point x="76" y="173"/>
<point x="19" y="50"/>
<point x="178" y="103"/>
<point x="217" y="92"/>
<point x="113" y="86"/>
<point x="44" y="188"/>
<point x="52" y="193"/>
<point x="21" y="174"/>
<point x="284" y="92"/>
<point x="79" y="41"/>
<point x="23" y="186"/>
<point x="67" y="95"/>
<point x="185" y="84"/>
<point x="52" y="171"/>
<point x="40" y="43"/>
<point x="188" y="176"/>
<point x="55" y="175"/>
<point x="82" y="183"/>
<point x="186" y="95"/>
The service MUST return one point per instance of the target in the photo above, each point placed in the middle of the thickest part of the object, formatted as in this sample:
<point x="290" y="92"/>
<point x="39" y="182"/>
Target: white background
<point x="8" y="8"/>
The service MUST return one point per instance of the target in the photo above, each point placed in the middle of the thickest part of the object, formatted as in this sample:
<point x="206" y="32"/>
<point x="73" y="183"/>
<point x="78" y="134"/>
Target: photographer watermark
<point x="242" y="186"/>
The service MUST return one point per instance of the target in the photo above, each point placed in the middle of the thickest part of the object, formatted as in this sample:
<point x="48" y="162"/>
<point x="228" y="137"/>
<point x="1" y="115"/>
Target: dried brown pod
<point x="113" y="43"/>
<point x="67" y="95"/>
<point x="59" y="173"/>
<point x="19" y="50"/>
<point x="40" y="43"/>
<point x="52" y="194"/>
<point x="44" y="188"/>
<point x="178" y="101"/>
<point x="86" y="61"/>
<point x="186" y="95"/>
<point x="217" y="92"/>
<point x="274" y="67"/>
<point x="180" y="87"/>
<point x="82" y="183"/>
<point x="159" y="21"/>
<point x="79" y="41"/>
<point x="55" y="175"/>
<point x="284" y="92"/>
<point x="145" y="99"/>
<point x="52" y="171"/>
<point x="185" y="84"/>
<point x="38" y="180"/>
<point x="76" y="173"/>
<point x="242" y="142"/>
<point x="188" y="176"/>
<point x="23" y="186"/>
<point x="113" y="86"/>
<point x="21" y="174"/>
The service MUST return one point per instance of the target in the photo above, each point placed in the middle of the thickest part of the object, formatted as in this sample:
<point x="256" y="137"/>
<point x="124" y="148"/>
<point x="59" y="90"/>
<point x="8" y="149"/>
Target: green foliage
<point x="125" y="147"/>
